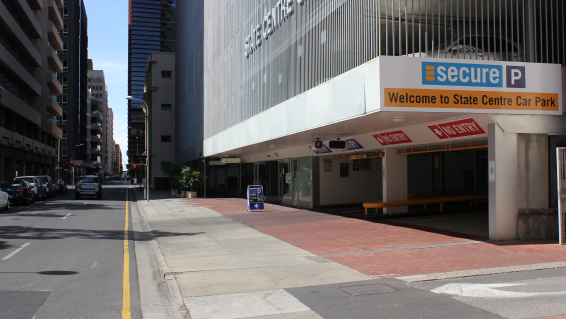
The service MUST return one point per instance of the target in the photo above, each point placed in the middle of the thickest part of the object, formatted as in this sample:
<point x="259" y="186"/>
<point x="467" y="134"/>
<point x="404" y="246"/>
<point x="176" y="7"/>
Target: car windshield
<point x="29" y="180"/>
<point x="89" y="180"/>
<point x="43" y="179"/>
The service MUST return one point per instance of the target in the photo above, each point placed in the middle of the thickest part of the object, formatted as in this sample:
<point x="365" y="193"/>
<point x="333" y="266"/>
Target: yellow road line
<point x="126" y="312"/>
<point x="24" y="286"/>
<point x="94" y="265"/>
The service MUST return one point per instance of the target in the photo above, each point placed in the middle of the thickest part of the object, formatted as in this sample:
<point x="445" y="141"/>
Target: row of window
<point x="97" y="87"/>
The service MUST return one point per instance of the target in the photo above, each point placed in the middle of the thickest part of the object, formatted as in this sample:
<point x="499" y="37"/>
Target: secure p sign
<point x="516" y="77"/>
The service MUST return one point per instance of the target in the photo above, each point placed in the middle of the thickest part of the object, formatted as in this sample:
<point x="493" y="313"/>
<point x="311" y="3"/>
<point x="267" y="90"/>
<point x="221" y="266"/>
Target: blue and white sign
<point x="356" y="165"/>
<point x="353" y="145"/>
<point x="324" y="150"/>
<point x="255" y="197"/>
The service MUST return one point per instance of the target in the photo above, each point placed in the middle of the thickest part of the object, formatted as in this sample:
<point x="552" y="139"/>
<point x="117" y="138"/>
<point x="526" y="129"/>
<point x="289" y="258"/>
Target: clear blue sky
<point x="108" y="49"/>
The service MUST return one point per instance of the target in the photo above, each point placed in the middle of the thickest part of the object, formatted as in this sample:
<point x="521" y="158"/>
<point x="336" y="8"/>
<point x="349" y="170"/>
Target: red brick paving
<point x="324" y="234"/>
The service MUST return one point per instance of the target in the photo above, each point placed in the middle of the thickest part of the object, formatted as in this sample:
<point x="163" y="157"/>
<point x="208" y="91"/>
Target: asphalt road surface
<point x="64" y="258"/>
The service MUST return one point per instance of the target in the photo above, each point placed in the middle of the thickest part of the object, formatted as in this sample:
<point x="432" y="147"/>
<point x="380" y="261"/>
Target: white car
<point x="4" y="202"/>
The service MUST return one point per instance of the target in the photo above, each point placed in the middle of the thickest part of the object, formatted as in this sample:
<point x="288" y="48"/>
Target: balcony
<point x="96" y="114"/>
<point x="34" y="28"/>
<point x="55" y="14"/>
<point x="54" y="84"/>
<point x="36" y="4"/>
<point x="54" y="61"/>
<point x="52" y="129"/>
<point x="54" y="38"/>
<point x="95" y="151"/>
<point x="53" y="107"/>
<point x="96" y="139"/>
<point x="97" y="127"/>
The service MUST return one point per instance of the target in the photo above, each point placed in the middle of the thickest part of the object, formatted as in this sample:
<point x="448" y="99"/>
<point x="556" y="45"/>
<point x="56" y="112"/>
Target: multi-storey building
<point x="160" y="98"/>
<point x="345" y="102"/>
<point x="29" y="39"/>
<point x="95" y="115"/>
<point x="150" y="30"/>
<point x="98" y="123"/>
<point x="117" y="160"/>
<point x="73" y="100"/>
<point x="109" y="140"/>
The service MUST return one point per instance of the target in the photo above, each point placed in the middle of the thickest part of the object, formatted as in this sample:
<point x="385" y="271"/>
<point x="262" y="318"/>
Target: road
<point x="64" y="258"/>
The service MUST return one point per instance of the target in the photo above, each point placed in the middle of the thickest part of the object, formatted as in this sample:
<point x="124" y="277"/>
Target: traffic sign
<point x="255" y="197"/>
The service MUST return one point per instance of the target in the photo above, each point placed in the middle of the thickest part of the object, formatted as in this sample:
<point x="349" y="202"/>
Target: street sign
<point x="255" y="197"/>
<point x="392" y="138"/>
<point x="356" y="165"/>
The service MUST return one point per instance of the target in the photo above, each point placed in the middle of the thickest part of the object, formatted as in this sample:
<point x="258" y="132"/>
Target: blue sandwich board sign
<point x="255" y="197"/>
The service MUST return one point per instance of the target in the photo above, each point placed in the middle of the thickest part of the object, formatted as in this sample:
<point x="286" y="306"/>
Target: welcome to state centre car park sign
<point x="472" y="86"/>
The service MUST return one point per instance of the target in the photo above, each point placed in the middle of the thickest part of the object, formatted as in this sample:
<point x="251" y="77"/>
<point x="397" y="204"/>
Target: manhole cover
<point x="17" y="218"/>
<point x="371" y="289"/>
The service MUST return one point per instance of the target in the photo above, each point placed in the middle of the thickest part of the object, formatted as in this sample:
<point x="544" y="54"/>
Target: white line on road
<point x="85" y="203"/>
<point x="15" y="251"/>
<point x="69" y="214"/>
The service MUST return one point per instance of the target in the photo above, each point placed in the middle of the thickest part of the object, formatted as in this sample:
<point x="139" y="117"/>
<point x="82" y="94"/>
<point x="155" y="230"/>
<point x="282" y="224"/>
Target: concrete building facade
<point x="160" y="98"/>
<point x="446" y="98"/>
<point x="73" y="100"/>
<point x="29" y="39"/>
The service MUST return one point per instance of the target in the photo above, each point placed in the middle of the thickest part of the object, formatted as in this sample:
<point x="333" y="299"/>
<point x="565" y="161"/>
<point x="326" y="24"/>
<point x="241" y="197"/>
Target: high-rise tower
<point x="150" y="30"/>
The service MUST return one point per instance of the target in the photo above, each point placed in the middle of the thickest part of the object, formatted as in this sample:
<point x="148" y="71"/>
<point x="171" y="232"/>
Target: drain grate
<point x="245" y="269"/>
<point x="370" y="289"/>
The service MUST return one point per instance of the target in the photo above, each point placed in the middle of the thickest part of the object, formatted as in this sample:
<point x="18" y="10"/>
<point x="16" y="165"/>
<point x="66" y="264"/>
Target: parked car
<point x="49" y="187"/>
<point x="61" y="187"/>
<point x="90" y="186"/>
<point x="4" y="201"/>
<point x="39" y="191"/>
<point x="19" y="192"/>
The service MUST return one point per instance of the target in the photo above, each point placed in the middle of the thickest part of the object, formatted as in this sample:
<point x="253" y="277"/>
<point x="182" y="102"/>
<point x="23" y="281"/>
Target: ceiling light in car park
<point x="398" y="119"/>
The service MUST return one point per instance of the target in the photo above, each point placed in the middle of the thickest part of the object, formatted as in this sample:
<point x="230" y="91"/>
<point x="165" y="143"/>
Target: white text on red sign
<point x="459" y="128"/>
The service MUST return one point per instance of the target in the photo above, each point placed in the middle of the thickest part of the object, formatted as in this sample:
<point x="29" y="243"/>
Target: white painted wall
<point x="361" y="186"/>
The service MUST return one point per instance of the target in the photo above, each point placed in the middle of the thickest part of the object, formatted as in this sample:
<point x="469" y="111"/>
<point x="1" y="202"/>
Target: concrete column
<point x="394" y="174"/>
<point x="3" y="169"/>
<point x="503" y="195"/>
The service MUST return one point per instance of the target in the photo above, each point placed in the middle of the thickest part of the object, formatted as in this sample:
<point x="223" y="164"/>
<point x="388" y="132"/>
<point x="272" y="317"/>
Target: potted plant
<point x="173" y="171"/>
<point x="190" y="179"/>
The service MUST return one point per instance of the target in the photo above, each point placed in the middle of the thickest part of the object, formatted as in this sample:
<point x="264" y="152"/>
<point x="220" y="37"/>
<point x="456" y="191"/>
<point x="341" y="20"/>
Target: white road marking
<point x="488" y="291"/>
<point x="69" y="214"/>
<point x="85" y="203"/>
<point x="15" y="251"/>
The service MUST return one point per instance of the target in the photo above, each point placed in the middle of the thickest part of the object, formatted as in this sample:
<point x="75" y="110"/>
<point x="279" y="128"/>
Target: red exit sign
<point x="392" y="138"/>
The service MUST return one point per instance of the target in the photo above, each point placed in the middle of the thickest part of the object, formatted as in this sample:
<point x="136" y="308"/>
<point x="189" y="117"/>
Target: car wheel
<point x="77" y="196"/>
<point x="28" y="201"/>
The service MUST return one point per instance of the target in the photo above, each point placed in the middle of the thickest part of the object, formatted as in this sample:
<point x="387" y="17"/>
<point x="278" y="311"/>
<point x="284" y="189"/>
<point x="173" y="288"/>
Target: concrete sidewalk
<point x="226" y="269"/>
<point x="231" y="263"/>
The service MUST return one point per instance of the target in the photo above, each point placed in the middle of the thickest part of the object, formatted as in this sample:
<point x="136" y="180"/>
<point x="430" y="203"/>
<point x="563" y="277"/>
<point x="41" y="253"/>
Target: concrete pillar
<point x="395" y="182"/>
<point x="503" y="195"/>
<point x="3" y="173"/>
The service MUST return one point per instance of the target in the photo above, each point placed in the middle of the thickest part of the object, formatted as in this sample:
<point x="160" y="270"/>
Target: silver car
<point x="88" y="186"/>
<point x="48" y="184"/>
<point x="39" y="191"/>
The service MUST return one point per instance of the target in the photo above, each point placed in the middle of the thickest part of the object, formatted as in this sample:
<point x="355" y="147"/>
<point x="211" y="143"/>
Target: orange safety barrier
<point x="424" y="201"/>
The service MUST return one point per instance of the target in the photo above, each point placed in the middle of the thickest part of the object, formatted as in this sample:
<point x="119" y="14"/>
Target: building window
<point x="64" y="100"/>
<point x="166" y="74"/>
<point x="165" y="107"/>
<point x="64" y="121"/>
<point x="64" y="138"/>
<point x="64" y="82"/>
<point x="89" y="79"/>
<point x="164" y="165"/>
<point x="65" y="63"/>
<point x="63" y="153"/>
<point x="65" y="47"/>
<point x="165" y="138"/>
<point x="65" y="12"/>
<point x="65" y="30"/>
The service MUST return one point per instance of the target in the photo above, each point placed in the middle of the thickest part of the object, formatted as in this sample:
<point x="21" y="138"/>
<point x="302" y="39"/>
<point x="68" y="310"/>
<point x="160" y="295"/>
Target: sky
<point x="108" y="49"/>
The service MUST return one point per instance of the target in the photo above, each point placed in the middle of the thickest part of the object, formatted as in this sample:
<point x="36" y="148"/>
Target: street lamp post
<point x="75" y="147"/>
<point x="131" y="98"/>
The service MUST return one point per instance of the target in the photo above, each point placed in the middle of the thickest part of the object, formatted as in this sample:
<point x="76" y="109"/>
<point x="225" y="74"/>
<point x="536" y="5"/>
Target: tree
<point x="191" y="178"/>
<point x="173" y="171"/>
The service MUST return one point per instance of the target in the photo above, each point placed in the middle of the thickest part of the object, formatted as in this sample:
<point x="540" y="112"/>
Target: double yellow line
<point x="126" y="311"/>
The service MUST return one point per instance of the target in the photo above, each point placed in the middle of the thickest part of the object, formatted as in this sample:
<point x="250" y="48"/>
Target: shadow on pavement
<point x="23" y="232"/>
